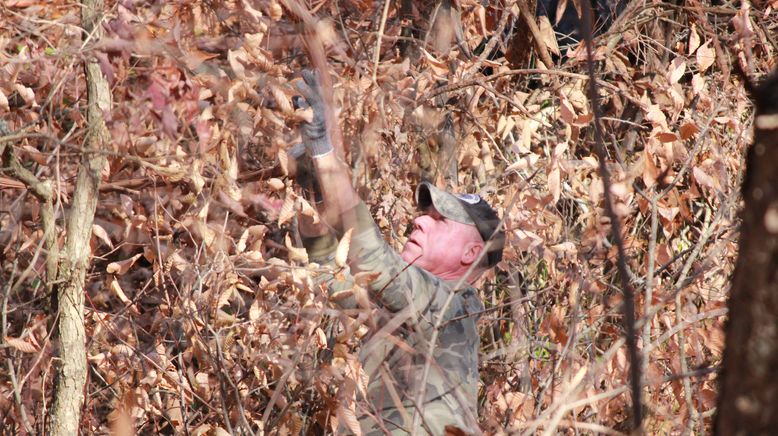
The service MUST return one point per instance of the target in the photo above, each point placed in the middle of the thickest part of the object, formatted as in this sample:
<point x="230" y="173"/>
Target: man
<point x="422" y="360"/>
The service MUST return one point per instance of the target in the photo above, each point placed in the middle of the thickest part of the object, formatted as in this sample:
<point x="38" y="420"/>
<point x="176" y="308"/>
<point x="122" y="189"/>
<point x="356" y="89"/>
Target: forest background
<point x="200" y="313"/>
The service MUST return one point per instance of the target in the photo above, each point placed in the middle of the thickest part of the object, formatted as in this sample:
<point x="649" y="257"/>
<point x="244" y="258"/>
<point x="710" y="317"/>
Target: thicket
<point x="201" y="312"/>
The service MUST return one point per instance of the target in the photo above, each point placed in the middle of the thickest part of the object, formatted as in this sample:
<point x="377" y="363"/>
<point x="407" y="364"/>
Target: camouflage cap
<point x="467" y="209"/>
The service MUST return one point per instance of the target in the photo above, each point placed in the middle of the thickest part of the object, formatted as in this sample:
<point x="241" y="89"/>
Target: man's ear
<point x="471" y="252"/>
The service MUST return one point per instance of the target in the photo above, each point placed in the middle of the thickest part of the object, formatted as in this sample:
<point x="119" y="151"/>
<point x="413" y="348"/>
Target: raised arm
<point x="339" y="196"/>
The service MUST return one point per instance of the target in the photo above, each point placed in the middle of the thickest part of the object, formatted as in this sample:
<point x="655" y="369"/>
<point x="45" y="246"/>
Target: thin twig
<point x="480" y="80"/>
<point x="629" y="294"/>
<point x="381" y="27"/>
<point x="540" y="45"/>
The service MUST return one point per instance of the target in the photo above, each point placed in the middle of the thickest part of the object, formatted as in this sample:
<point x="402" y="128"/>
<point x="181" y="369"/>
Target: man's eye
<point x="409" y="228"/>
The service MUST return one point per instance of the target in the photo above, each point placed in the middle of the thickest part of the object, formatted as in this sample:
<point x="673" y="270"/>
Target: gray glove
<point x="314" y="133"/>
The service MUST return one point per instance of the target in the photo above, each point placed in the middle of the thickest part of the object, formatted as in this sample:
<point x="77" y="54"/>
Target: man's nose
<point x="421" y="223"/>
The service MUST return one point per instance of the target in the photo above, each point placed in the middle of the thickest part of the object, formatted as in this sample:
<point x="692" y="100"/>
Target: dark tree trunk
<point x="748" y="398"/>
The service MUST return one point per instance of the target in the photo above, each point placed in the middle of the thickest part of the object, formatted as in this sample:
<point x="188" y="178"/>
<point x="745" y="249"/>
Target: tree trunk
<point x="71" y="373"/>
<point x="748" y="398"/>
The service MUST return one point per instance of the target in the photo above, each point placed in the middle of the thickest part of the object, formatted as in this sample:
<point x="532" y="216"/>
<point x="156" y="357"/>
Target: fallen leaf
<point x="100" y="232"/>
<point x="296" y="254"/>
<point x="122" y="266"/>
<point x="705" y="56"/>
<point x="694" y="39"/>
<point x="341" y="254"/>
<point x="688" y="130"/>
<point x="117" y="290"/>
<point x="21" y="345"/>
<point x="677" y="69"/>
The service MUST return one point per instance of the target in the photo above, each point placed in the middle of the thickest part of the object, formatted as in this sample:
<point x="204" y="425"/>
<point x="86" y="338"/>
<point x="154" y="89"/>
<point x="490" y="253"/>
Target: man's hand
<point x="314" y="133"/>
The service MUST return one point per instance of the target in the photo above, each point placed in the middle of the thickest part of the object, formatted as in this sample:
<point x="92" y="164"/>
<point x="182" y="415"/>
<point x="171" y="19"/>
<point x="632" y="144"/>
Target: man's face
<point x="442" y="246"/>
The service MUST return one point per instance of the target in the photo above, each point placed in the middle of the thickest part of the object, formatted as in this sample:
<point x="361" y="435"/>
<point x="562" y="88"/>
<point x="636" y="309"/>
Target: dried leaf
<point x="694" y="39"/>
<point x="276" y="184"/>
<point x="677" y="69"/>
<point x="341" y="254"/>
<point x="296" y="254"/>
<point x="702" y="178"/>
<point x="308" y="210"/>
<point x="688" y="130"/>
<point x="348" y="418"/>
<point x="117" y="290"/>
<point x="4" y="102"/>
<point x="282" y="100"/>
<point x="554" y="183"/>
<point x="548" y="35"/>
<point x="21" y="345"/>
<point x="321" y="338"/>
<point x="666" y="137"/>
<point x="705" y="56"/>
<point x="122" y="266"/>
<point x="27" y="94"/>
<point x="287" y="210"/>
<point x="274" y="10"/>
<point x="100" y="232"/>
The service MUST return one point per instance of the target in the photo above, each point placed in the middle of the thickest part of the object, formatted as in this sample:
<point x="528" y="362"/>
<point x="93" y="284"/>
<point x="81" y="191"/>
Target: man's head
<point x="452" y="233"/>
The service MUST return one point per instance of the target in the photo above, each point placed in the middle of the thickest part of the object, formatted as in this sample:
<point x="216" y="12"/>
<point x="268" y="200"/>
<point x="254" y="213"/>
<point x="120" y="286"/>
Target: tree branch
<point x="628" y="291"/>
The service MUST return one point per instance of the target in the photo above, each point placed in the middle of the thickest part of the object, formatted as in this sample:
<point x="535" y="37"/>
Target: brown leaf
<point x="705" y="56"/>
<point x="548" y="35"/>
<point x="287" y="210"/>
<point x="276" y="184"/>
<point x="4" y="102"/>
<point x="321" y="338"/>
<point x="688" y="130"/>
<point x="296" y="254"/>
<point x="703" y="179"/>
<point x="122" y="266"/>
<point x="341" y="254"/>
<point x="118" y="291"/>
<point x="677" y="69"/>
<point x="694" y="39"/>
<point x="348" y="418"/>
<point x="27" y="94"/>
<point x="100" y="232"/>
<point x="666" y="137"/>
<point x="21" y="345"/>
<point x="554" y="183"/>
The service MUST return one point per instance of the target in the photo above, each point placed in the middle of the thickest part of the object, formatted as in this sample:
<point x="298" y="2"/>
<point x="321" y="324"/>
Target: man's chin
<point x="410" y="256"/>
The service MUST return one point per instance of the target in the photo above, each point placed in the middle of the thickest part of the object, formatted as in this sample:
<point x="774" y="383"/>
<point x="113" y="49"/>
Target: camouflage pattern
<point x="410" y="301"/>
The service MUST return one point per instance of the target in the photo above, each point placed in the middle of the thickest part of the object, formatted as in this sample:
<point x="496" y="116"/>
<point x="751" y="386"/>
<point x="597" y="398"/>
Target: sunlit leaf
<point x="122" y="266"/>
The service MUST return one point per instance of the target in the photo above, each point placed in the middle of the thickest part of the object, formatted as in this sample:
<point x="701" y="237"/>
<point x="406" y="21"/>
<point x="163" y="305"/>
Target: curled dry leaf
<point x="100" y="232"/>
<point x="122" y="266"/>
<point x="308" y="210"/>
<point x="276" y="184"/>
<point x="341" y="254"/>
<point x="274" y="10"/>
<point x="27" y="94"/>
<point x="296" y="254"/>
<point x="117" y="290"/>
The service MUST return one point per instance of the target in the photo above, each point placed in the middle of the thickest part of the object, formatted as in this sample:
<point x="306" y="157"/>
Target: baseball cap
<point x="467" y="209"/>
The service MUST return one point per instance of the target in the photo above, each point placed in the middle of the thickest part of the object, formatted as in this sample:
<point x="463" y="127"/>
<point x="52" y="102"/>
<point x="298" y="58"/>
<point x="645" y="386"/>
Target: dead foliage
<point x="202" y="314"/>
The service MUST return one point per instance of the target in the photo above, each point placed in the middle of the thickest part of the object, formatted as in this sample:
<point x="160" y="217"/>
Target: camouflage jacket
<point x="394" y="356"/>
